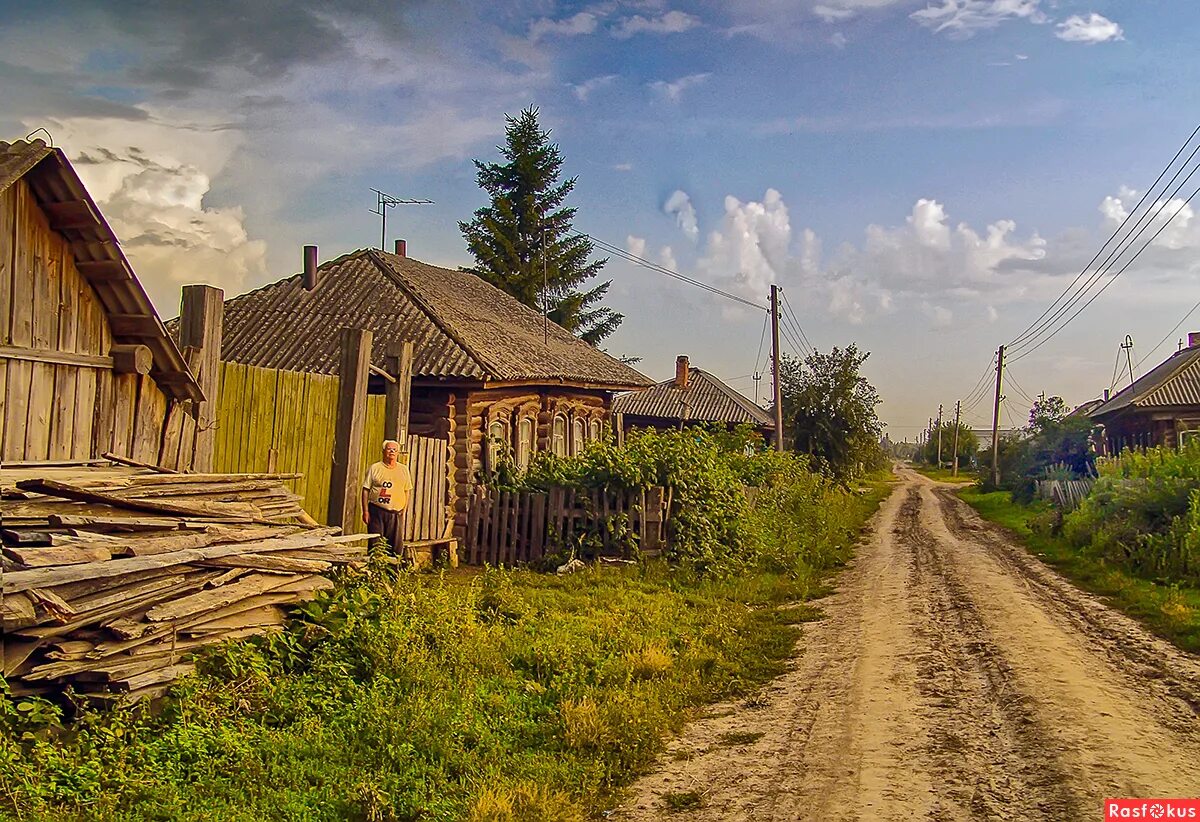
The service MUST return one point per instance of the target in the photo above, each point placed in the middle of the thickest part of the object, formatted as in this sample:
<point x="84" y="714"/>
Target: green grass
<point x="683" y="801"/>
<point x="496" y="695"/>
<point x="1170" y="611"/>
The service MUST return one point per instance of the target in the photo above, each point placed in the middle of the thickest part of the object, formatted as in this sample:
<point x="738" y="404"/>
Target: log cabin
<point x="86" y="365"/>
<point x="490" y="376"/>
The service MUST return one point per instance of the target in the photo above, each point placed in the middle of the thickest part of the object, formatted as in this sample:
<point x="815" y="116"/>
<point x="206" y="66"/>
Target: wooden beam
<point x="398" y="399"/>
<point x="135" y="325"/>
<point x="46" y="355"/>
<point x="103" y="270"/>
<point x="379" y="372"/>
<point x="70" y="214"/>
<point x="131" y="359"/>
<point x="345" y="482"/>
<point x="201" y="325"/>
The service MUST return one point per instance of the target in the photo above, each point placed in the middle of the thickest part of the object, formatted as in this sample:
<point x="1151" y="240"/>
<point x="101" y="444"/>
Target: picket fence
<point x="1066" y="495"/>
<point x="509" y="527"/>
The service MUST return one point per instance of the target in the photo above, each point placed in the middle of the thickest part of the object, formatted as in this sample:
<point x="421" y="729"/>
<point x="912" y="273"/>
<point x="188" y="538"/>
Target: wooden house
<point x="489" y="374"/>
<point x="692" y="397"/>
<point x="1162" y="407"/>
<point x="86" y="366"/>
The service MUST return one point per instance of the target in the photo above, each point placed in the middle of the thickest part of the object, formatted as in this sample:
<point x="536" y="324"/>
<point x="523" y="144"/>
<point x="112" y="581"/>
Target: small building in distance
<point x="1162" y="407"/>
<point x="692" y="397"/>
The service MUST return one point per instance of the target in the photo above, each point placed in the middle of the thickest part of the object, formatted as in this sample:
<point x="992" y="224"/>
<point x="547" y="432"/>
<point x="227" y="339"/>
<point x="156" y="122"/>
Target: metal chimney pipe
<point x="401" y="248"/>
<point x="310" y="267"/>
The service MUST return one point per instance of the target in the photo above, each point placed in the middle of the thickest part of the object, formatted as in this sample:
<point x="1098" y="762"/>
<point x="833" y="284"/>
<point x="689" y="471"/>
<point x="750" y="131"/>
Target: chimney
<point x="1106" y="392"/>
<point x="1193" y="339"/>
<point x="401" y="248"/>
<point x="681" y="372"/>
<point x="310" y="267"/>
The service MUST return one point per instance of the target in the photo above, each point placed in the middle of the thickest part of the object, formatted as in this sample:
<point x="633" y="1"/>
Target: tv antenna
<point x="385" y="201"/>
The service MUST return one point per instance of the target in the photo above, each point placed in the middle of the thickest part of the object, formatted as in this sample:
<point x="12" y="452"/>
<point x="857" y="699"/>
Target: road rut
<point x="954" y="677"/>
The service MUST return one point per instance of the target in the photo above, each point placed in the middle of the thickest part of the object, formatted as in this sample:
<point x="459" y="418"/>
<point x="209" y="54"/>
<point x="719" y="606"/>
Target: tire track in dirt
<point x="953" y="678"/>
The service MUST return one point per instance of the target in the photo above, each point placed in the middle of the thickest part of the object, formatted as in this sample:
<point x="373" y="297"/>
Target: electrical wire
<point x="1113" y="278"/>
<point x="797" y="333"/>
<point x="787" y="304"/>
<point x="661" y="269"/>
<point x="1030" y="328"/>
<point x="1024" y="395"/>
<point x="762" y="337"/>
<point x="1168" y="335"/>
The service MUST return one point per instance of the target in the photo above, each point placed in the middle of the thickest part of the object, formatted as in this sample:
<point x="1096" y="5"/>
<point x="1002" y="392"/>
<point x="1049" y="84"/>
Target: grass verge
<point x="1171" y="611"/>
<point x="495" y="695"/>
<point x="965" y="475"/>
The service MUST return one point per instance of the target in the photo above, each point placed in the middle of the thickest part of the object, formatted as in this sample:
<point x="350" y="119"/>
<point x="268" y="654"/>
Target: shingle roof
<point x="1173" y="382"/>
<point x="98" y="255"/>
<point x="706" y="399"/>
<point x="461" y="326"/>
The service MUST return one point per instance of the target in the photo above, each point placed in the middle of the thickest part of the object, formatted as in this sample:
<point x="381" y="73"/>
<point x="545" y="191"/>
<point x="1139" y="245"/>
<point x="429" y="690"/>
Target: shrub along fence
<point x="509" y="527"/>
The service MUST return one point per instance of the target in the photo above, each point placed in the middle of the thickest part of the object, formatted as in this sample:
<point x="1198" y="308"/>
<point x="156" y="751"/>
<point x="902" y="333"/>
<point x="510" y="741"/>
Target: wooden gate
<point x="427" y="517"/>
<point x="508" y="527"/>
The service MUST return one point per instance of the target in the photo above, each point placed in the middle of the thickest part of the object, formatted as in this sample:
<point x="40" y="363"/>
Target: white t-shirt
<point x="388" y="487"/>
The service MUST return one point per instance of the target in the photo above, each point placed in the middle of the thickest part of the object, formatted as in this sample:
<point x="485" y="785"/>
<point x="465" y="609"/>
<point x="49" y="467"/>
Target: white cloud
<point x="1094" y="28"/>
<point x="623" y="167"/>
<point x="838" y="40"/>
<point x="680" y="205"/>
<point x="636" y="246"/>
<point x="939" y="316"/>
<point x="963" y="18"/>
<point x="1175" y="217"/>
<point x="582" y="23"/>
<point x="673" y="22"/>
<point x="151" y="186"/>
<point x="666" y="258"/>
<point x="674" y="90"/>
<point x="834" y="10"/>
<point x="583" y="90"/>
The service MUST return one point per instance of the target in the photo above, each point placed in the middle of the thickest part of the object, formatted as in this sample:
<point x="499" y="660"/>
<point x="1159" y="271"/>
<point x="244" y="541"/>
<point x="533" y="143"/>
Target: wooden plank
<point x="46" y="355"/>
<point x="486" y="555"/>
<point x="539" y="526"/>
<point x="49" y="577"/>
<point x="148" y="420"/>
<point x="472" y="526"/>
<point x="58" y="555"/>
<point x="201" y="326"/>
<point x="21" y="327"/>
<point x="344" y="489"/>
<point x="73" y="492"/>
<point x="46" y="297"/>
<point x="398" y="394"/>
<point x="205" y="601"/>
<point x="260" y="562"/>
<point x="8" y="243"/>
<point x="124" y="406"/>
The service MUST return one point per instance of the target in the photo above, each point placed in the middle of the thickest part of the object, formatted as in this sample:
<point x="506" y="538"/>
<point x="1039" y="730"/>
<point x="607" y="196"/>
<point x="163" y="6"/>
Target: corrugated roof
<point x="706" y="399"/>
<point x="1173" y="382"/>
<point x="461" y="326"/>
<point x="98" y="256"/>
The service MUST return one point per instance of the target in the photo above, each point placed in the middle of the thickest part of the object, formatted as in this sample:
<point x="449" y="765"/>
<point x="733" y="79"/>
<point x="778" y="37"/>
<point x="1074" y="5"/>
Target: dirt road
<point x="954" y="677"/>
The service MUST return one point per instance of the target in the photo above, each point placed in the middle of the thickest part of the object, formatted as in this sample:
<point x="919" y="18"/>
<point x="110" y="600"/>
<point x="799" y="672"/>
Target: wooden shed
<point x="1162" y="407"/>
<point x="86" y="366"/>
<point x="489" y="374"/>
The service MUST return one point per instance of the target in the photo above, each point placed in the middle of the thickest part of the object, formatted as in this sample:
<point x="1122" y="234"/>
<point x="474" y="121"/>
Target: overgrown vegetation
<point x="1055" y="445"/>
<point x="501" y="695"/>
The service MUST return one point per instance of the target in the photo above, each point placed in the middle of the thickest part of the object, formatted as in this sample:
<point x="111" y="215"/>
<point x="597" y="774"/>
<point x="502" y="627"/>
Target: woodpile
<point x="114" y="577"/>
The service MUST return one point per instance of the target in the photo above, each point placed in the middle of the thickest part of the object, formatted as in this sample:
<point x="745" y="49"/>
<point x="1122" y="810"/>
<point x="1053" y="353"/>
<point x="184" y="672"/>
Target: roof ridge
<point x="729" y="391"/>
<point x="420" y="302"/>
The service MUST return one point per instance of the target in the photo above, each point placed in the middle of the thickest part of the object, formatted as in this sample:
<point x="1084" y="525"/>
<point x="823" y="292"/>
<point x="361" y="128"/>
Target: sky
<point x="921" y="179"/>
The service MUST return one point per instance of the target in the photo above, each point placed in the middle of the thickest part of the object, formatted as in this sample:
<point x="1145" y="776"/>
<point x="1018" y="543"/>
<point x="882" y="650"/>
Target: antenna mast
<point x="385" y="201"/>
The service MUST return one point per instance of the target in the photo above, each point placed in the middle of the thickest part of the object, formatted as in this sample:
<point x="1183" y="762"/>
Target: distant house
<point x="489" y="374"/>
<point x="86" y="367"/>
<point x="691" y="397"/>
<point x="1162" y="407"/>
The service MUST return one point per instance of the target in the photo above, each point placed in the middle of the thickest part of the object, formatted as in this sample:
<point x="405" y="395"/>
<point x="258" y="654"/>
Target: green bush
<point x="1144" y="513"/>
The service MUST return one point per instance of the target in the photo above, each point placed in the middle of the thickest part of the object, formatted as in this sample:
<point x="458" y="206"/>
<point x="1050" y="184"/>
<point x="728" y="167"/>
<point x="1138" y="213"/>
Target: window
<point x="524" y="442"/>
<point x="578" y="437"/>
<point x="558" y="436"/>
<point x="497" y="442"/>
<point x="594" y="430"/>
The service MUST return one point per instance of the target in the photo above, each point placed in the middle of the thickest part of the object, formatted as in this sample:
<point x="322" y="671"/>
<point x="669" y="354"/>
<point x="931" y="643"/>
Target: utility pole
<point x="775" y="368"/>
<point x="1128" y="346"/>
<point x="957" y="417"/>
<point x="996" y="418"/>
<point x="939" y="433"/>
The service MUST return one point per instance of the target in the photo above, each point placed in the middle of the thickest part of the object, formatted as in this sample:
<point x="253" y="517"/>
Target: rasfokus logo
<point x="1151" y="809"/>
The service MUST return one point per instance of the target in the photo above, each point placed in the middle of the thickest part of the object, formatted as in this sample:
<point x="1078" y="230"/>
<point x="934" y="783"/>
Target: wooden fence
<point x="1065" y="494"/>
<point x="506" y="528"/>
<point x="284" y="421"/>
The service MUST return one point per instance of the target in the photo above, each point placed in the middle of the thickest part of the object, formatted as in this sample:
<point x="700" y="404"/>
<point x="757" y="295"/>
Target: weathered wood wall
<point x="60" y="396"/>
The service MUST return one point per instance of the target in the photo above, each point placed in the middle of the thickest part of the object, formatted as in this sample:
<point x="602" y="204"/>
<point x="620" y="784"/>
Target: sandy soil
<point x="953" y="677"/>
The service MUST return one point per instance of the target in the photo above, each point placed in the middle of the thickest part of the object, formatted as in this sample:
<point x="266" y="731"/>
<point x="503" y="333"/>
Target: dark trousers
<point x="390" y="526"/>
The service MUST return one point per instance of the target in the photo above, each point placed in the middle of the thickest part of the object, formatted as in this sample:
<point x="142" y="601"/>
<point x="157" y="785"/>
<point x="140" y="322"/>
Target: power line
<point x="788" y="305"/>
<point x="1017" y="386"/>
<point x="1113" y="278"/>
<point x="661" y="269"/>
<point x="1168" y="335"/>
<point x="797" y="333"/>
<point x="1030" y="328"/>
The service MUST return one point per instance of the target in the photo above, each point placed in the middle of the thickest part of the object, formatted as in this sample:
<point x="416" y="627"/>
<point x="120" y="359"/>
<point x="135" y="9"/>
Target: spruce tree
<point x="525" y="234"/>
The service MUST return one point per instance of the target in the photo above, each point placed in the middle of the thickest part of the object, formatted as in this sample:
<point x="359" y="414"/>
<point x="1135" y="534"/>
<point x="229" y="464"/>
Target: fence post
<point x="201" y="318"/>
<point x="398" y="394"/>
<point x="345" y="482"/>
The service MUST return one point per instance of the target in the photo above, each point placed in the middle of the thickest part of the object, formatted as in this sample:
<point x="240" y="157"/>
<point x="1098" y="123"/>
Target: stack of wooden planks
<point x="112" y="578"/>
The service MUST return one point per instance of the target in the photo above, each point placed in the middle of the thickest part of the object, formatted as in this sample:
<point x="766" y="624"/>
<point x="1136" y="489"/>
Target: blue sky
<point x="922" y="178"/>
